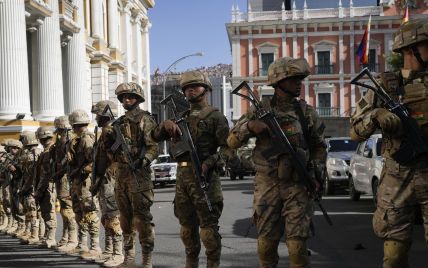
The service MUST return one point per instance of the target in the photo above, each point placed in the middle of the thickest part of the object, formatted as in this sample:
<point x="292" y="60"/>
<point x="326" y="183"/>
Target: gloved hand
<point x="171" y="128"/>
<point x="256" y="126"/>
<point x="388" y="122"/>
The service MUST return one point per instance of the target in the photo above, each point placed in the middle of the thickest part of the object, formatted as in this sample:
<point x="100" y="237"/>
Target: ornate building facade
<point x="60" y="55"/>
<point x="326" y="37"/>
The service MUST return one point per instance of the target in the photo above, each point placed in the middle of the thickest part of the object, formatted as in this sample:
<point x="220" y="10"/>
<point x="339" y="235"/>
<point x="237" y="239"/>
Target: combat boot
<point x="147" y="260"/>
<point x="5" y="223"/>
<point x="27" y="233"/>
<point x="72" y="240"/>
<point x="64" y="238"/>
<point x="81" y="246"/>
<point x="50" y="241"/>
<point x="298" y="253"/>
<point x="34" y="238"/>
<point x="129" y="260"/>
<point x="108" y="251"/>
<point x="395" y="254"/>
<point x="13" y="227"/>
<point x="117" y="257"/>
<point x="192" y="262"/>
<point x="20" y="230"/>
<point x="94" y="252"/>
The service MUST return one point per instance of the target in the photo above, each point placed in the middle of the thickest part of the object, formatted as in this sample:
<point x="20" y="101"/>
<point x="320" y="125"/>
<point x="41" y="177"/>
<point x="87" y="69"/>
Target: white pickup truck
<point x="163" y="170"/>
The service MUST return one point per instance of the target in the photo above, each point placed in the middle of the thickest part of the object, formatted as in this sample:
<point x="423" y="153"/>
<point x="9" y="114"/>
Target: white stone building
<point x="60" y="55"/>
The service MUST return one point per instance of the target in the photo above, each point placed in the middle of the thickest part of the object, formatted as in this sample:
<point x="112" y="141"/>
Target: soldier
<point x="281" y="202"/>
<point x="15" y="178"/>
<point x="209" y="129"/>
<point x="104" y="185"/>
<point x="45" y="194"/>
<point x="28" y="163"/>
<point x="3" y="215"/>
<point x="133" y="188"/>
<point x="403" y="188"/>
<point x="85" y="206"/>
<point x="58" y="158"/>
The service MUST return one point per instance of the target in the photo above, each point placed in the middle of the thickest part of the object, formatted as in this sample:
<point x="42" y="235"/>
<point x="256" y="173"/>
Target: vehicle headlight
<point x="173" y="170"/>
<point x="336" y="162"/>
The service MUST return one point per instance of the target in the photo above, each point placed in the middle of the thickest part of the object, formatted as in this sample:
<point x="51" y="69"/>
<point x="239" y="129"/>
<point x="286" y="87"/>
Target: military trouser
<point x="47" y="208"/>
<point x="401" y="192"/>
<point x="16" y="204"/>
<point x="280" y="206"/>
<point x="192" y="211"/>
<point x="134" y="201"/>
<point x="85" y="208"/>
<point x="6" y="199"/>
<point x="66" y="211"/>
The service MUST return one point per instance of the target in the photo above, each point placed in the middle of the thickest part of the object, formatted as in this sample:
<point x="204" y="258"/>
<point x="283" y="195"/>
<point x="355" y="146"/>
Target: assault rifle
<point x="413" y="144"/>
<point x="95" y="186"/>
<point x="121" y="143"/>
<point x="280" y="140"/>
<point x="187" y="138"/>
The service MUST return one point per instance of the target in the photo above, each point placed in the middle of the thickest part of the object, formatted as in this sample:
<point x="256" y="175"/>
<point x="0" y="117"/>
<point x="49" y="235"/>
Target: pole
<point x="165" y="76"/>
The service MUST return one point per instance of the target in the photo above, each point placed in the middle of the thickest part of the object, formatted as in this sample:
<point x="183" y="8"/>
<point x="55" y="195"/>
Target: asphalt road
<point x="349" y="243"/>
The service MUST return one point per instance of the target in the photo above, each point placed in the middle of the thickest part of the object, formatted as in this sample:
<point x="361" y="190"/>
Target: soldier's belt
<point x="184" y="164"/>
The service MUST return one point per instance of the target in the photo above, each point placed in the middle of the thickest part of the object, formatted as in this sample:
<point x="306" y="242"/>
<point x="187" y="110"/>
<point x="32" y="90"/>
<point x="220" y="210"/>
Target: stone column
<point x="14" y="81"/>
<point x="48" y="101"/>
<point x="126" y="22"/>
<point x="96" y="19"/>
<point x="146" y="64"/>
<point x="112" y="22"/>
<point x="75" y="93"/>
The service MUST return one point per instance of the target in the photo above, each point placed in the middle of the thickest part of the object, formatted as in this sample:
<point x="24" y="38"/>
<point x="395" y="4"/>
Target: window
<point x="379" y="147"/>
<point x="372" y="61"/>
<point x="324" y="104"/>
<point x="323" y="66"/>
<point x="342" y="145"/>
<point x="267" y="59"/>
<point x="369" y="145"/>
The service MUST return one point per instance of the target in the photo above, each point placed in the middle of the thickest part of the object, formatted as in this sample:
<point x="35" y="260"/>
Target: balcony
<point x="323" y="69"/>
<point x="328" y="111"/>
<point x="373" y="67"/>
<point x="68" y="17"/>
<point x="37" y="11"/>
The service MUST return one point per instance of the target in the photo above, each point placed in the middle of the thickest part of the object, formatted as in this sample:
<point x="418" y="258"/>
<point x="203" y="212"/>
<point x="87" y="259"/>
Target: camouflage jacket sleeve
<point x="362" y="125"/>
<point x="221" y="132"/>
<point x="159" y="134"/>
<point x="44" y="171"/>
<point x="148" y="125"/>
<point x="318" y="152"/>
<point x="240" y="133"/>
<point x="105" y="142"/>
<point x="86" y="146"/>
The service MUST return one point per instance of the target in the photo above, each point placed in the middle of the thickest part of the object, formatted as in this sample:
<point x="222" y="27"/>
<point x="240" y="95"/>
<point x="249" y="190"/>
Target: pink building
<point x="326" y="37"/>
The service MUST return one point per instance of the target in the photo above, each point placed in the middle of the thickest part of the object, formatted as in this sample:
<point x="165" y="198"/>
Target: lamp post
<point x="164" y="83"/>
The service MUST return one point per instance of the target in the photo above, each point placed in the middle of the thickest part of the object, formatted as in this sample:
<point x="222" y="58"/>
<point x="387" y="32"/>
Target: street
<point x="350" y="242"/>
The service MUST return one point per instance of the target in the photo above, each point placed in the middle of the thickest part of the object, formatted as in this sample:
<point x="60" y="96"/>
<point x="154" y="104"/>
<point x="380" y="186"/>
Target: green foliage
<point x="394" y="61"/>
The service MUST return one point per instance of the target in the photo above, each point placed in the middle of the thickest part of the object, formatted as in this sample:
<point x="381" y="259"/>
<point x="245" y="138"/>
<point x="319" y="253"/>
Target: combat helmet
<point x="195" y="78"/>
<point x="28" y="138"/>
<point x="410" y="33"/>
<point x="44" y="132"/>
<point x="99" y="108"/>
<point x="79" y="117"/>
<point x="130" y="88"/>
<point x="287" y="67"/>
<point x="61" y="122"/>
<point x="14" y="143"/>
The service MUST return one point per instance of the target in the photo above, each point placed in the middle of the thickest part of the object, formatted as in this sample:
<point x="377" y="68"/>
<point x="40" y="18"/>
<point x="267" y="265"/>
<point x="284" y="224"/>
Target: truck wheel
<point x="375" y="184"/>
<point x="354" y="195"/>
<point x="328" y="187"/>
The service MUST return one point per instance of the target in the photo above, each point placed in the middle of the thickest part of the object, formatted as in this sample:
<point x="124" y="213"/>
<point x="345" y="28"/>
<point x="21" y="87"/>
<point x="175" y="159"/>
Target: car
<point x="339" y="152"/>
<point x="164" y="171"/>
<point x="366" y="168"/>
<point x="246" y="165"/>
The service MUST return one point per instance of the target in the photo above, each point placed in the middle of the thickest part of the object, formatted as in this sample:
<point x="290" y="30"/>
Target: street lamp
<point x="164" y="83"/>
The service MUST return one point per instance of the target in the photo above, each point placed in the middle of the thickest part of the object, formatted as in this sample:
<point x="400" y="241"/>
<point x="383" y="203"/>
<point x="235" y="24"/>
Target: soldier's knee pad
<point x="267" y="250"/>
<point x="91" y="217"/>
<point x="298" y="253"/>
<point x="211" y="238"/>
<point x="395" y="254"/>
<point x="114" y="225"/>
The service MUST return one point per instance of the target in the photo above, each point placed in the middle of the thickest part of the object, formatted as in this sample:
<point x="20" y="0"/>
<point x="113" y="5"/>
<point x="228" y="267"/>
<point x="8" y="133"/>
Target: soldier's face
<point x="14" y="150"/>
<point x="129" y="101"/>
<point x="194" y="93"/>
<point x="45" y="141"/>
<point x="291" y="85"/>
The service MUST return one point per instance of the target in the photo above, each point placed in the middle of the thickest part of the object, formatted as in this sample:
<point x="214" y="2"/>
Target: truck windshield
<point x="345" y="145"/>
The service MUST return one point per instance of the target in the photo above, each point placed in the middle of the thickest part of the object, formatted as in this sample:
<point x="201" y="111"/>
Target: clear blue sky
<point x="180" y="28"/>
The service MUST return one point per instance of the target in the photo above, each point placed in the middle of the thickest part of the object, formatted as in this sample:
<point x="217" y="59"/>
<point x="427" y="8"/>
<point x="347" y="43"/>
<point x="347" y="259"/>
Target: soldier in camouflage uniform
<point x="104" y="186"/>
<point x="3" y="215"/>
<point x="58" y="159"/>
<point x="133" y="190"/>
<point x="281" y="202"/>
<point x="5" y="176"/>
<point x="209" y="129"/>
<point x="45" y="194"/>
<point x="403" y="188"/>
<point x="85" y="206"/>
<point x="28" y="163"/>
<point x="15" y="176"/>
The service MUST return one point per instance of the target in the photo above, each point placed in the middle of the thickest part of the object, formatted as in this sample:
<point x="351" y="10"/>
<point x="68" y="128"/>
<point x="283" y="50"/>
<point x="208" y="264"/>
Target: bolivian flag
<point x="405" y="15"/>
<point x="363" y="48"/>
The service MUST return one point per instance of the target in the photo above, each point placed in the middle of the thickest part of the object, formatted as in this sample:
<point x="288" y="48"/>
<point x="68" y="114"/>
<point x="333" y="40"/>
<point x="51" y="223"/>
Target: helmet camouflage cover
<point x="195" y="78"/>
<point x="62" y="122"/>
<point x="14" y="143"/>
<point x="100" y="106"/>
<point x="287" y="67"/>
<point x="28" y="138"/>
<point x="44" y="132"/>
<point x="79" y="117"/>
<point x="129" y="88"/>
<point x="410" y="33"/>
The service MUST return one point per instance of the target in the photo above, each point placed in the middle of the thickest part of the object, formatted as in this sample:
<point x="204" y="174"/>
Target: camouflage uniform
<point x="209" y="129"/>
<point x="281" y="203"/>
<point x="44" y="187"/>
<point x="28" y="163"/>
<point x="58" y="159"/>
<point x="134" y="194"/>
<point x="5" y="194"/>
<point x="3" y="215"/>
<point x="112" y="255"/>
<point x="403" y="188"/>
<point x="85" y="206"/>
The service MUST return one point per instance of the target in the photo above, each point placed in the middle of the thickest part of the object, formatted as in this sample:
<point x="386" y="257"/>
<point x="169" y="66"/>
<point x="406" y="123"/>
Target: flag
<point x="363" y="48"/>
<point x="405" y="15"/>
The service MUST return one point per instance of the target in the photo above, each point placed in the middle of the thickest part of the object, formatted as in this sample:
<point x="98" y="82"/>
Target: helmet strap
<point x="418" y="57"/>
<point x="197" y="98"/>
